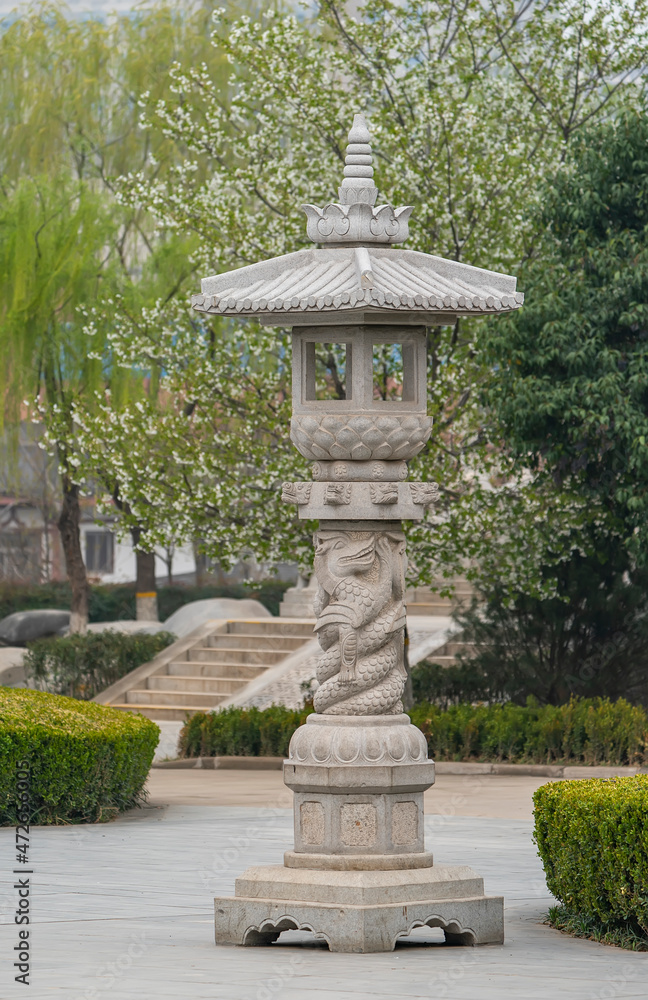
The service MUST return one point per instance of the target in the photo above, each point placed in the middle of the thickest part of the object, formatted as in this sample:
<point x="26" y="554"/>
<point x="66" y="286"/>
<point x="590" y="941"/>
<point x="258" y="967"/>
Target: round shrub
<point x="86" y="762"/>
<point x="592" y="837"/>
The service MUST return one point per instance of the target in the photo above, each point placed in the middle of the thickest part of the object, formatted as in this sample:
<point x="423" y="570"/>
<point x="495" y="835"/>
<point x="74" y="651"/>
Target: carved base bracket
<point x="360" y="912"/>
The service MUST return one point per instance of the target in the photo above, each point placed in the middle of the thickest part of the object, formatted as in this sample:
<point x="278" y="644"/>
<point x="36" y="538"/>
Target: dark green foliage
<point x="620" y="933"/>
<point x="592" y="837"/>
<point x="591" y="640"/>
<point x="116" y="602"/>
<point x="87" y="762"/>
<point x="112" y="603"/>
<point x="570" y="394"/>
<point x="80" y="666"/>
<point x="444" y="686"/>
<point x="584" y="731"/>
<point x="267" y="592"/>
<point x="571" y="383"/>
<point x="241" y="732"/>
<point x="18" y="597"/>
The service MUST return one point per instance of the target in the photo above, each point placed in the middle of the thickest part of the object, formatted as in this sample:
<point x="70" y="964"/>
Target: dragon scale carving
<point x="361" y="619"/>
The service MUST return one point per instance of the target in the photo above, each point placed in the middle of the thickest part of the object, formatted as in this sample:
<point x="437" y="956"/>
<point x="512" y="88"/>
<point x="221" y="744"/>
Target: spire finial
<point x="358" y="184"/>
<point x="354" y="220"/>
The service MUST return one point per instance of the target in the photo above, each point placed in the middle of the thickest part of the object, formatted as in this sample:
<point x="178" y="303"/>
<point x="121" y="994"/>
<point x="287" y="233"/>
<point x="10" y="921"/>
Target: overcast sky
<point x="77" y="7"/>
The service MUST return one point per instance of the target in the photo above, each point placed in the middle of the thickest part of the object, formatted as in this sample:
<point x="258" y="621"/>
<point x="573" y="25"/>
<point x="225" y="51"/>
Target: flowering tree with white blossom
<point x="471" y="106"/>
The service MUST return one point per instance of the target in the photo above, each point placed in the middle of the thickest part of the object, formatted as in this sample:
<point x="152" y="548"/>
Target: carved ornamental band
<point x="424" y="493"/>
<point x="298" y="493"/>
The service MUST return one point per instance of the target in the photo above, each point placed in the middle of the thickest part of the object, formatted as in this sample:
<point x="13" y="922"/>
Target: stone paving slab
<point x="503" y="797"/>
<point x="124" y="911"/>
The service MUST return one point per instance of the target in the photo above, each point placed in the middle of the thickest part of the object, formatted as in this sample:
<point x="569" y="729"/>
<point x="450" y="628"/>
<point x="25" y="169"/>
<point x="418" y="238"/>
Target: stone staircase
<point x="446" y="655"/>
<point x="422" y="601"/>
<point x="199" y="676"/>
<point x="298" y="602"/>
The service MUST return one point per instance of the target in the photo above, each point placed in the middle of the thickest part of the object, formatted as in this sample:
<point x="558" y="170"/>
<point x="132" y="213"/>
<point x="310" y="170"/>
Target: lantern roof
<point x="356" y="274"/>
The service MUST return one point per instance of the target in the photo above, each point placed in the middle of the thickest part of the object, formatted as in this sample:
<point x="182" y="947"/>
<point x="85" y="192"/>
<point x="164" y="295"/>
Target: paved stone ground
<point x="124" y="911"/>
<point x="489" y="795"/>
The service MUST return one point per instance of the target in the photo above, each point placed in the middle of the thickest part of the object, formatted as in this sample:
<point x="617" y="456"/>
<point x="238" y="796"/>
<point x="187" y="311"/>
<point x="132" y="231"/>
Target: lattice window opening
<point x="328" y="371"/>
<point x="393" y="366"/>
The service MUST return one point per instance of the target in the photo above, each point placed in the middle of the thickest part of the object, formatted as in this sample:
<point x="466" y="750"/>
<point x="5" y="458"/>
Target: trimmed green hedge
<point x="584" y="731"/>
<point x="116" y="602"/>
<point x="241" y="732"/>
<point x="86" y="762"/>
<point x="80" y="666"/>
<point x="592" y="837"/>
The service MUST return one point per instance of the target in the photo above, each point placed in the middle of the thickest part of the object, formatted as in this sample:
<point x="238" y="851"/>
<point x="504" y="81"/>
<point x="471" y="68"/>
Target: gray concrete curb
<point x="234" y="763"/>
<point x="538" y="770"/>
<point x="441" y="767"/>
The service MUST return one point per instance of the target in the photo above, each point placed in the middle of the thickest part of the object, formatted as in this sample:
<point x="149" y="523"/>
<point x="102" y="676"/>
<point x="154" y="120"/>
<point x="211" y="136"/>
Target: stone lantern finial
<point x="358" y="184"/>
<point x="354" y="220"/>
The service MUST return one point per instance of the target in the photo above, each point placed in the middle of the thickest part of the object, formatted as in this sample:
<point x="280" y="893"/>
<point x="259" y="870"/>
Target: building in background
<point x="30" y="546"/>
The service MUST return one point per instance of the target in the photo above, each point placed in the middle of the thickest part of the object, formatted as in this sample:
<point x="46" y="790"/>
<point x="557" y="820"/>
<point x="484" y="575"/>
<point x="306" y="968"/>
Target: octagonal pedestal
<point x="359" y="876"/>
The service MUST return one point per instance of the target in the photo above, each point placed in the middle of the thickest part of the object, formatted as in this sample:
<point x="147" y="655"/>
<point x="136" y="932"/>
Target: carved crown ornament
<point x="354" y="219"/>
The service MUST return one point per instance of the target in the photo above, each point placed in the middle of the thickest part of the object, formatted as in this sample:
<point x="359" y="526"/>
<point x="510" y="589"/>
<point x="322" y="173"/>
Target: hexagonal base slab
<point x="359" y="911"/>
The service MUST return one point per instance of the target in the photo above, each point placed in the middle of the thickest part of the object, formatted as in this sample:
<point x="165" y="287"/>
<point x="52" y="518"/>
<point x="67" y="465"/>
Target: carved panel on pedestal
<point x="312" y="822"/>
<point x="358" y="824"/>
<point x="404" y="822"/>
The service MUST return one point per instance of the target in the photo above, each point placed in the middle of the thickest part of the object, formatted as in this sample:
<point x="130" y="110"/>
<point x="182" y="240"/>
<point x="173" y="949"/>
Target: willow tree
<point x="69" y="125"/>
<point x="52" y="259"/>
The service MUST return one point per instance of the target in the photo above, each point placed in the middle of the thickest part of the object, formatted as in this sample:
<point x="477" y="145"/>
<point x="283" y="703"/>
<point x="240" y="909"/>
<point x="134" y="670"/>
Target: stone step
<point x="161" y="713"/>
<point x="443" y="661"/>
<point x="294" y="606"/>
<point x="193" y="668"/>
<point x="451" y="648"/>
<point x="282" y="643"/>
<point x="271" y="627"/>
<point x="437" y="610"/>
<point x="263" y="657"/>
<point x="200" y="700"/>
<point x="216" y="685"/>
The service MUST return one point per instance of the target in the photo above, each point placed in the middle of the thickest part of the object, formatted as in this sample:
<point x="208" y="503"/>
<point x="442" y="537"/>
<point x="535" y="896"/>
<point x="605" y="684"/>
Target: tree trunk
<point x="69" y="527"/>
<point x="146" y="609"/>
<point x="145" y="589"/>
<point x="168" y="558"/>
<point x="201" y="566"/>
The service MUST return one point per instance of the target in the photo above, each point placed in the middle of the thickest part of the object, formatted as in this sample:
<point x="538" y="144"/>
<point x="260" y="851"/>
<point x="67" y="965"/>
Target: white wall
<point x="124" y="559"/>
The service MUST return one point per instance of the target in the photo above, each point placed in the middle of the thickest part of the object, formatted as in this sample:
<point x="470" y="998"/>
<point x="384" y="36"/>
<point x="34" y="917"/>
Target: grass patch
<point x="620" y="935"/>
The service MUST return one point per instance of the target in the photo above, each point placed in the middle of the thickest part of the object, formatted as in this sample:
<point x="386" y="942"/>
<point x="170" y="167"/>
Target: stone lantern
<point x="359" y="875"/>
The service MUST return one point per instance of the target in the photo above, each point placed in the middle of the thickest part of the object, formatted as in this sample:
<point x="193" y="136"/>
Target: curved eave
<point x="334" y="285"/>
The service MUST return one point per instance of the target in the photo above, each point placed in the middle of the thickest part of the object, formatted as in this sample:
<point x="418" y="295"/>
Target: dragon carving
<point x="361" y="618"/>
